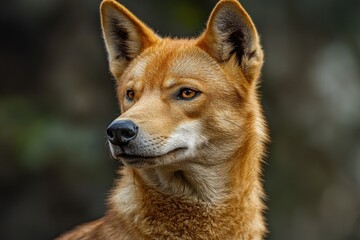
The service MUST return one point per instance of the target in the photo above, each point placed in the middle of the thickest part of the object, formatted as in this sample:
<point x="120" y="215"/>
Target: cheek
<point x="194" y="109"/>
<point x="225" y="119"/>
<point x="189" y="134"/>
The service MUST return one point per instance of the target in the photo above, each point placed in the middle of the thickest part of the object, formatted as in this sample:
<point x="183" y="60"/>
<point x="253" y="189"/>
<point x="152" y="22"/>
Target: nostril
<point x="110" y="133"/>
<point x="128" y="133"/>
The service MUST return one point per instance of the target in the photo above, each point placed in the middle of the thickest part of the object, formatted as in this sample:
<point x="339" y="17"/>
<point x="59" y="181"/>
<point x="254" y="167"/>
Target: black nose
<point x="121" y="132"/>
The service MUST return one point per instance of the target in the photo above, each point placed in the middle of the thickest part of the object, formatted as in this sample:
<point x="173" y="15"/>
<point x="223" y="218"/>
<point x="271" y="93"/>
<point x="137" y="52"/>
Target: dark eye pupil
<point x="187" y="93"/>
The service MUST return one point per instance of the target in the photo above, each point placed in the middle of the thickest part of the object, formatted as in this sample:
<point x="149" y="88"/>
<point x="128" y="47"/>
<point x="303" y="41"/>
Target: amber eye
<point x="188" y="94"/>
<point x="130" y="95"/>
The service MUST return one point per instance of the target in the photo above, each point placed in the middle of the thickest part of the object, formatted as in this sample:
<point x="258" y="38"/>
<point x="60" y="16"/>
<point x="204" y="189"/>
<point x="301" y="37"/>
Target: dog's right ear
<point x="125" y="35"/>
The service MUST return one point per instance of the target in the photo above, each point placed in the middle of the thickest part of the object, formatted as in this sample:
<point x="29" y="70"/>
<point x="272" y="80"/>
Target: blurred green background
<point x="57" y="98"/>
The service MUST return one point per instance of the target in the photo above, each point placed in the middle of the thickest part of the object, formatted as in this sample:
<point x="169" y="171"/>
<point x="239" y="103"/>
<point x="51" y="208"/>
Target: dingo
<point x="191" y="133"/>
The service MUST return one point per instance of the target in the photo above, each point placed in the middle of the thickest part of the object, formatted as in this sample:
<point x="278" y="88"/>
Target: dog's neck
<point x="155" y="198"/>
<point x="190" y="181"/>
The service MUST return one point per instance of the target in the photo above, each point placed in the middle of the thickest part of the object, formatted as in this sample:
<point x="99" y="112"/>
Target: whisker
<point x="107" y="146"/>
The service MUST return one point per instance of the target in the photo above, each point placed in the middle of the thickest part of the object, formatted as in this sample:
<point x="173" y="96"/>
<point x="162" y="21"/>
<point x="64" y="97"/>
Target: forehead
<point x="171" y="61"/>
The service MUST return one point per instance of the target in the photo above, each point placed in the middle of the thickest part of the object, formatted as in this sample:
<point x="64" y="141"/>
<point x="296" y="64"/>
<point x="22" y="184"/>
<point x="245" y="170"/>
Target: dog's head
<point x="183" y="100"/>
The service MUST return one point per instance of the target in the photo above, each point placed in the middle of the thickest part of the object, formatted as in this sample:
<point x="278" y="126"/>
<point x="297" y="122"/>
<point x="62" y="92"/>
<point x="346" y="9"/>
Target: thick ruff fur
<point x="194" y="169"/>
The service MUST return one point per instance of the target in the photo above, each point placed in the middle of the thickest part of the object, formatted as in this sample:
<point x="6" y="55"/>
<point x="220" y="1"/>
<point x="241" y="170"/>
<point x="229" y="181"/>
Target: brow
<point x="173" y="82"/>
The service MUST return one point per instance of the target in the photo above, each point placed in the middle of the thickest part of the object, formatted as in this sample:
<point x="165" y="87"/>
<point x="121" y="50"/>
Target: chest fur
<point x="157" y="216"/>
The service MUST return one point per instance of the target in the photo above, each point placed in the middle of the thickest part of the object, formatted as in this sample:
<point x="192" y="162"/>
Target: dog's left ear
<point x="231" y="35"/>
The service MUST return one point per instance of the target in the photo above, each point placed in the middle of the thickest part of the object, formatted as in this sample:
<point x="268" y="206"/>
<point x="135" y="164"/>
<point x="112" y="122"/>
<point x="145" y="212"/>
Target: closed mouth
<point x="130" y="157"/>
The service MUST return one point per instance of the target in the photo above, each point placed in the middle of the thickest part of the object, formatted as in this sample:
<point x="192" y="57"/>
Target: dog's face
<point x="182" y="100"/>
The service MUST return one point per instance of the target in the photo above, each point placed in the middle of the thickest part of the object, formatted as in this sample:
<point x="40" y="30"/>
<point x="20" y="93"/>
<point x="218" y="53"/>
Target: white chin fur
<point x="187" y="135"/>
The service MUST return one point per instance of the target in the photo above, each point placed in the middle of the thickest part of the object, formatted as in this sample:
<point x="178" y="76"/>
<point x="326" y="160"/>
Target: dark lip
<point x="133" y="156"/>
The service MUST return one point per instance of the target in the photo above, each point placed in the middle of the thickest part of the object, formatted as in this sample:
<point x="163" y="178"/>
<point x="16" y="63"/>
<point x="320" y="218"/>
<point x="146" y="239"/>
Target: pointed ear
<point x="125" y="35"/>
<point x="231" y="35"/>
